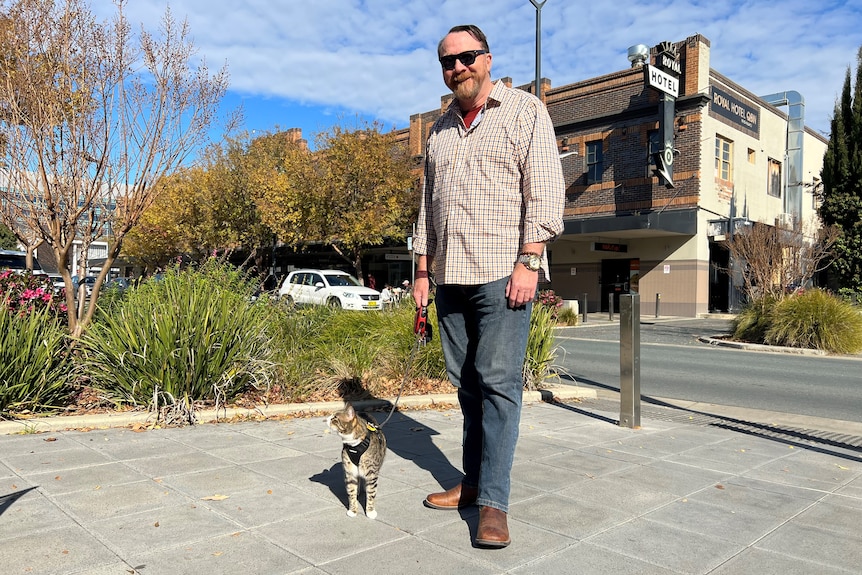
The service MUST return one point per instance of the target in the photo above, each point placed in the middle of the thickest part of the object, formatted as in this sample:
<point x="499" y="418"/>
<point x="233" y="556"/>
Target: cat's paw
<point x="372" y="514"/>
<point x="351" y="513"/>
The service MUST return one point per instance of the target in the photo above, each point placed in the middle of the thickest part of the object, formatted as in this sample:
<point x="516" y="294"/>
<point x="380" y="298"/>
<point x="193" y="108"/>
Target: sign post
<point x="664" y="77"/>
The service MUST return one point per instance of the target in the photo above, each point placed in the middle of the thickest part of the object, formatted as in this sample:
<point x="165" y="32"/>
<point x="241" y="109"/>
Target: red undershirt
<point x="470" y="116"/>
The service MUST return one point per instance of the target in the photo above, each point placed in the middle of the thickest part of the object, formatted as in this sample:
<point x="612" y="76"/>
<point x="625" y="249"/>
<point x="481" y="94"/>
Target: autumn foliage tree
<point x="92" y="116"/>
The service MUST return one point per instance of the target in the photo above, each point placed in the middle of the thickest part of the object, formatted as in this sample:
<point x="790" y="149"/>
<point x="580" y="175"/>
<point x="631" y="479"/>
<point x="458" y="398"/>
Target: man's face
<point x="466" y="82"/>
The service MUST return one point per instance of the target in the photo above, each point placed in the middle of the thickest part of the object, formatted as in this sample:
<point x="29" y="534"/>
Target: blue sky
<point x="313" y="64"/>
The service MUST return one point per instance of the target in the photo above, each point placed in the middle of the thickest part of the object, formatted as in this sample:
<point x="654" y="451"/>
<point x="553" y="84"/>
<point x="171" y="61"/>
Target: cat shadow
<point x="334" y="479"/>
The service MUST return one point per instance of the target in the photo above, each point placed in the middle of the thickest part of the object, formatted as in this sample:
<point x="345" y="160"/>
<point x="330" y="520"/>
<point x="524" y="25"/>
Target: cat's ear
<point x="350" y="412"/>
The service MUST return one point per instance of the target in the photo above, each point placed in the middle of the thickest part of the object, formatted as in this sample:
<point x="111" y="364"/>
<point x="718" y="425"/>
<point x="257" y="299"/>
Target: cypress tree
<point x="842" y="183"/>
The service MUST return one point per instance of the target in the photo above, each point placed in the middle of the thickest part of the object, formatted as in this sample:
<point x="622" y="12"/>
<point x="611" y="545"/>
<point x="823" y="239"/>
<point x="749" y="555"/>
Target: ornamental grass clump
<point x="816" y="320"/>
<point x="349" y="354"/>
<point x="34" y="361"/>
<point x="192" y="336"/>
<point x="541" y="350"/>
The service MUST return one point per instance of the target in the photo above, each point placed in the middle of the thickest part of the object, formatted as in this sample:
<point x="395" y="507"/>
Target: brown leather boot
<point x="458" y="497"/>
<point x="493" y="529"/>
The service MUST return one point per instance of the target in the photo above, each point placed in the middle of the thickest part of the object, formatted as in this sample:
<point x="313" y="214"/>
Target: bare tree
<point x="774" y="259"/>
<point x="91" y="116"/>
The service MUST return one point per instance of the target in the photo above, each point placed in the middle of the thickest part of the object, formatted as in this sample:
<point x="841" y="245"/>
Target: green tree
<point x="93" y="116"/>
<point x="842" y="182"/>
<point x="7" y="238"/>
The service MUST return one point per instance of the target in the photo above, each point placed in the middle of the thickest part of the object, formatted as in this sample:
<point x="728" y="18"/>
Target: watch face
<point x="535" y="263"/>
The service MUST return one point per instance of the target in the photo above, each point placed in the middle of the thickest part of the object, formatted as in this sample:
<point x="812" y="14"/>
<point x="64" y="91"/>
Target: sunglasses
<point x="466" y="58"/>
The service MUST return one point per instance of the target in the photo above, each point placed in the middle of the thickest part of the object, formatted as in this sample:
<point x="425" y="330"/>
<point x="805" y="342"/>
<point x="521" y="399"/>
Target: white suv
<point x="328" y="287"/>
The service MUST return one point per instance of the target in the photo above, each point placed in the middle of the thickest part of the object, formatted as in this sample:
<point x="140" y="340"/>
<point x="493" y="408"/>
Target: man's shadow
<point x="407" y="438"/>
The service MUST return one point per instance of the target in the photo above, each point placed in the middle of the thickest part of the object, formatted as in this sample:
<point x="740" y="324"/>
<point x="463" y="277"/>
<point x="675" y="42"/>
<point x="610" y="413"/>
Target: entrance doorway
<point x="719" y="278"/>
<point x="615" y="280"/>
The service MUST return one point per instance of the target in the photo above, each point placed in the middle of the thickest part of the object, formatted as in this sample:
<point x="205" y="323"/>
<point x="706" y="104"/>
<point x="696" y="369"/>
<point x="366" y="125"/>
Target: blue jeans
<point x="484" y="342"/>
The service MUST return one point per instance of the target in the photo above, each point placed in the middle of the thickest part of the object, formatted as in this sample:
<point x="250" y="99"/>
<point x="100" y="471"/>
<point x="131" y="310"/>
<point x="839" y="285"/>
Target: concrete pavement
<point x="689" y="492"/>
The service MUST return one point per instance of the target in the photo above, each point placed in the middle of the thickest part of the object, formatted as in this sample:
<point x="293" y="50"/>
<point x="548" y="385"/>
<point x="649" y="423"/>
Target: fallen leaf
<point x="841" y="467"/>
<point x="215" y="497"/>
<point x="58" y="478"/>
<point x="719" y="486"/>
<point x="50" y="439"/>
<point x="417" y="429"/>
<point x="269" y="491"/>
<point x="156" y="524"/>
<point x="97" y="487"/>
<point x="65" y="551"/>
<point x="218" y="553"/>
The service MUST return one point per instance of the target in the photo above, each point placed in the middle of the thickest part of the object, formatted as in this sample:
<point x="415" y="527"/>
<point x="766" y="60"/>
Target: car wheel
<point x="287" y="300"/>
<point x="334" y="303"/>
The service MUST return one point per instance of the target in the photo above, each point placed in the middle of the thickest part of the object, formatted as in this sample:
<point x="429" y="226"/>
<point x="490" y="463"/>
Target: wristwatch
<point x="531" y="261"/>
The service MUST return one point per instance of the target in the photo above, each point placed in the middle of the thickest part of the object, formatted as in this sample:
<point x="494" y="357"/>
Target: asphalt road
<point x="675" y="365"/>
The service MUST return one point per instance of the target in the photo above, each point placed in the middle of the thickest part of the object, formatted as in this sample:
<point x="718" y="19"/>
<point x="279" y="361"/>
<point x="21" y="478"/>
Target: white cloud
<point x="378" y="57"/>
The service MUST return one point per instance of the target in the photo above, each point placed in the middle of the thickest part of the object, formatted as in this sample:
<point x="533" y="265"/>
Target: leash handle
<point x="420" y="325"/>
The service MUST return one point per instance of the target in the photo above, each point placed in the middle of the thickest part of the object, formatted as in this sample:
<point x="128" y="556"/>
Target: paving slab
<point x="588" y="496"/>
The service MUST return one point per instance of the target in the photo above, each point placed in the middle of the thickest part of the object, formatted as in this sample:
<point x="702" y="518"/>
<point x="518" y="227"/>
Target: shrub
<point x="753" y="321"/>
<point x="23" y="293"/>
<point x="815" y="319"/>
<point x="33" y="360"/>
<point x="541" y="351"/>
<point x="194" y="335"/>
<point x="356" y="354"/>
<point x="568" y="316"/>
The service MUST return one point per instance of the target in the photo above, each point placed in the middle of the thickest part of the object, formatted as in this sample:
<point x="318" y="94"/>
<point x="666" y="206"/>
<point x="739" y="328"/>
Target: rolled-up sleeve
<point x="543" y="185"/>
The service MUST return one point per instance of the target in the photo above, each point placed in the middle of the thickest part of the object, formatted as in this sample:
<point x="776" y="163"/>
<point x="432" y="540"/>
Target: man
<point x="493" y="196"/>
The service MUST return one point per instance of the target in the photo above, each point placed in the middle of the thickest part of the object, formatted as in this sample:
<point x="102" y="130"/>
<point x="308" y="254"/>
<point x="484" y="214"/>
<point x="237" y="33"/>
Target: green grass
<point x="34" y="362"/>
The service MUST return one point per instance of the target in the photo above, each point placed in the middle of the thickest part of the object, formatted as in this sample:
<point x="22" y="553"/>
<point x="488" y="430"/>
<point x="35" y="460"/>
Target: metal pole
<point x="630" y="361"/>
<point x="657" y="303"/>
<point x="538" y="6"/>
<point x="584" y="309"/>
<point x="611" y="306"/>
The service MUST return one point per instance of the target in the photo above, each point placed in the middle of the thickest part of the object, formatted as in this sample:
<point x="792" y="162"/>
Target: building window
<point x="752" y="156"/>
<point x="594" y="162"/>
<point x="773" y="184"/>
<point x="723" y="159"/>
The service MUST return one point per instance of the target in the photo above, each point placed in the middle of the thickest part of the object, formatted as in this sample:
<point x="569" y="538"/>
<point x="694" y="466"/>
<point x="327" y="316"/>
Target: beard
<point x="466" y="86"/>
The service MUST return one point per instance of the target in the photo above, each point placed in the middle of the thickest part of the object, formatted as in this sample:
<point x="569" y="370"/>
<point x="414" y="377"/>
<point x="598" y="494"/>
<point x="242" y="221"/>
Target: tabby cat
<point x="362" y="456"/>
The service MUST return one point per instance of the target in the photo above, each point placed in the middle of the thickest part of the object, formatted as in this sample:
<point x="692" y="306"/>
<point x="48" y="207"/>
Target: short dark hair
<point x="470" y="29"/>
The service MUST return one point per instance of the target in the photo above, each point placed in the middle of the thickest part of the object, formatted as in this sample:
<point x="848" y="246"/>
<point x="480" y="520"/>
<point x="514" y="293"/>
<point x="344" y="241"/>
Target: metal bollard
<point x="611" y="306"/>
<point x="630" y="361"/>
<point x="657" y="304"/>
<point x="584" y="308"/>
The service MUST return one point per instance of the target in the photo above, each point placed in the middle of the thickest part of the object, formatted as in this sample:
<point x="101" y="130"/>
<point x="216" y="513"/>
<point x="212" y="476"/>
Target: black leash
<point x="423" y="336"/>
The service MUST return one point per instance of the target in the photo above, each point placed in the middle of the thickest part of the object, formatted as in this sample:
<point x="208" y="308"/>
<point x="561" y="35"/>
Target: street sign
<point x="661" y="80"/>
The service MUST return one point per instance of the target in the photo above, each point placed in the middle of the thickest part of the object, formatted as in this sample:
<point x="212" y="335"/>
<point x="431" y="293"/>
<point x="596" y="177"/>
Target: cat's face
<point x="346" y="424"/>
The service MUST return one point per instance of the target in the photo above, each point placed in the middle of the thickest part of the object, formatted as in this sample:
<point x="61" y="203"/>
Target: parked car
<point x="118" y="283"/>
<point x="328" y="287"/>
<point x="17" y="262"/>
<point x="57" y="282"/>
<point x="89" y="283"/>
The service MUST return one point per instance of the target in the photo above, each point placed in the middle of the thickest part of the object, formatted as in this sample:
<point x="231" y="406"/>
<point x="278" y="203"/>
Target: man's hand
<point x="421" y="288"/>
<point x="521" y="288"/>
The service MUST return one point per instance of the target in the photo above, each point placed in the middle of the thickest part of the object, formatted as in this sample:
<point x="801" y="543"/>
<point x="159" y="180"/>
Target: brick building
<point x="740" y="158"/>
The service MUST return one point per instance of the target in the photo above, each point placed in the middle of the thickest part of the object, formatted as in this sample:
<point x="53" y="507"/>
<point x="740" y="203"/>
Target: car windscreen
<point x="341" y="280"/>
